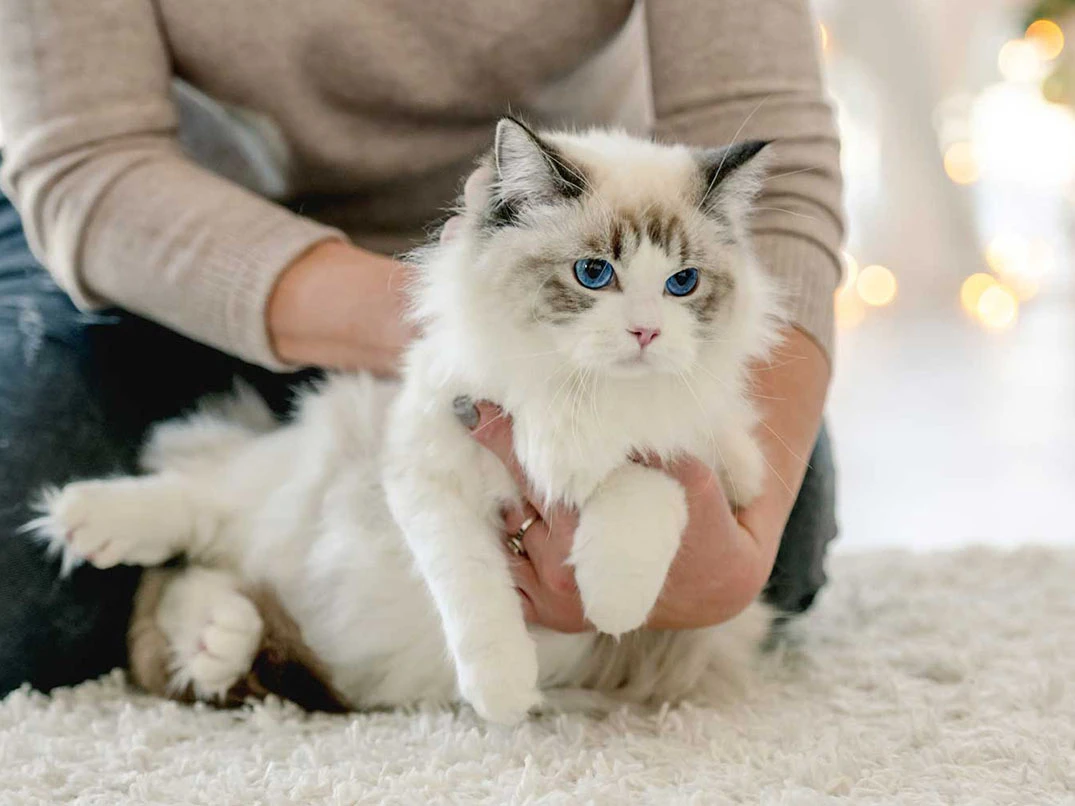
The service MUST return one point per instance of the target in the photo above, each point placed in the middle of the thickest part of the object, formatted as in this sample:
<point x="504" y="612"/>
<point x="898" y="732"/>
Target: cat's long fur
<point x="374" y="515"/>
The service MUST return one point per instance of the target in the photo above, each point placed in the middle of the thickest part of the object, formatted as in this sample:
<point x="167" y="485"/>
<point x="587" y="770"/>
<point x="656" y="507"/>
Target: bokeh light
<point x="1021" y="60"/>
<point x="876" y="285"/>
<point x="850" y="310"/>
<point x="972" y="289"/>
<point x="1048" y="38"/>
<point x="1020" y="263"/>
<point x="1005" y="120"/>
<point x="997" y="307"/>
<point x="823" y="34"/>
<point x="961" y="163"/>
<point x="1006" y="249"/>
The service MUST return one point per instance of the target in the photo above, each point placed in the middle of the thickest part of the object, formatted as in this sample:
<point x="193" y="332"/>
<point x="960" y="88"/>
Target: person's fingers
<point x="547" y="544"/>
<point x="516" y="518"/>
<point x="492" y="430"/>
<point x="549" y="550"/>
<point x="526" y="584"/>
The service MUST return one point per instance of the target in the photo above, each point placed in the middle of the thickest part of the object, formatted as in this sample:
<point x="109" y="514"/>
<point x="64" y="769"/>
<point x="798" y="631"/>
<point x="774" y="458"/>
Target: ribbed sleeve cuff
<point x="240" y="278"/>
<point x="808" y="277"/>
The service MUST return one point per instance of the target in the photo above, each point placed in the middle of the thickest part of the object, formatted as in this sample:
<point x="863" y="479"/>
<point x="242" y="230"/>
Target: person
<point x="134" y="279"/>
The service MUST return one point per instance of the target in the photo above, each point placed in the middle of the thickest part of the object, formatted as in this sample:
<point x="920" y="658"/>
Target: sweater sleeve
<point x="745" y="69"/>
<point x="109" y="202"/>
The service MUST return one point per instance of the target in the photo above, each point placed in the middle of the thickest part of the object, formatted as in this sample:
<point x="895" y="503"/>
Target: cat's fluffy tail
<point x="219" y="426"/>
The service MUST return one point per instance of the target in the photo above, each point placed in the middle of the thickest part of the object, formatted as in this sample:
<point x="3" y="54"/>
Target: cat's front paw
<point x="627" y="537"/>
<point x="502" y="685"/>
<point x="107" y="523"/>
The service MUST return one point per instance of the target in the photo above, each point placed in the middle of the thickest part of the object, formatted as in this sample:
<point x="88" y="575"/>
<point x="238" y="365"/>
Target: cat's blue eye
<point x="593" y="272"/>
<point x="682" y="283"/>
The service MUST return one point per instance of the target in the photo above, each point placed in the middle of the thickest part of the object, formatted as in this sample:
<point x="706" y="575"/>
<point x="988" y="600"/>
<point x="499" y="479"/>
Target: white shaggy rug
<point x="928" y="679"/>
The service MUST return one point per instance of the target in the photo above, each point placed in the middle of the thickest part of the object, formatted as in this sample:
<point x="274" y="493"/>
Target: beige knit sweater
<point x="382" y="106"/>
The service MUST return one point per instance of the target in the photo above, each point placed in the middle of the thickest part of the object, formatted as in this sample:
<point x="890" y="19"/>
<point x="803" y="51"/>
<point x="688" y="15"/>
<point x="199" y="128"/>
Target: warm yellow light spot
<point x="1048" y="38"/>
<point x="1024" y="288"/>
<point x="823" y="33"/>
<point x="1020" y="60"/>
<point x="1041" y="258"/>
<point x="997" y="307"/>
<point x="876" y="285"/>
<point x="1020" y="263"/>
<point x="849" y="309"/>
<point x="851" y="271"/>
<point x="972" y="289"/>
<point x="1006" y="250"/>
<point x="961" y="163"/>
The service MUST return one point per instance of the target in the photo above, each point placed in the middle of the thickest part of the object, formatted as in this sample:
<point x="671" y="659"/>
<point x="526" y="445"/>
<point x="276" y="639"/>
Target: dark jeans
<point x="77" y="392"/>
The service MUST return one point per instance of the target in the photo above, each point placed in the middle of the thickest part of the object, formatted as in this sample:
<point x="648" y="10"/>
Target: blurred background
<point x="953" y="406"/>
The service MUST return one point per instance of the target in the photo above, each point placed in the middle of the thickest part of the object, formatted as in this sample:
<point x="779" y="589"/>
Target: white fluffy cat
<point x="602" y="290"/>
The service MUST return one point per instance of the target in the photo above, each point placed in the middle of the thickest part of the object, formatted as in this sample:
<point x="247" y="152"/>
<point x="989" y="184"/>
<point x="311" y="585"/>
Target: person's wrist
<point x="339" y="306"/>
<point x="285" y="313"/>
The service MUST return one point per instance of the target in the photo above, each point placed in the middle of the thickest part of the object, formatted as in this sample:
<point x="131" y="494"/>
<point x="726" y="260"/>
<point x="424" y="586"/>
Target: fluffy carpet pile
<point x="928" y="679"/>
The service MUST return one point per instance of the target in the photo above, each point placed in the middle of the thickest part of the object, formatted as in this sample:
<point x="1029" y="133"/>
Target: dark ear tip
<point x="752" y="147"/>
<point x="512" y="120"/>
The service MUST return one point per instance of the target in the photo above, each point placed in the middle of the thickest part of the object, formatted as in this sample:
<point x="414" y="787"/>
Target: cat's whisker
<point x="769" y="177"/>
<point x="788" y="212"/>
<point x="521" y="356"/>
<point x="731" y="481"/>
<point x="780" y="439"/>
<point x="789" y="359"/>
<point x="735" y="137"/>
<point x="715" y="340"/>
<point x="709" y="431"/>
<point x="716" y="378"/>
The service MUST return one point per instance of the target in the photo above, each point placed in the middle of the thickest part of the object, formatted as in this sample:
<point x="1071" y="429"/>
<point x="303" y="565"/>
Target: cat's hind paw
<point x="214" y="632"/>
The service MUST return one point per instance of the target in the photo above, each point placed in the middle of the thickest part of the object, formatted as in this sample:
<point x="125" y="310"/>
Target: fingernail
<point x="466" y="411"/>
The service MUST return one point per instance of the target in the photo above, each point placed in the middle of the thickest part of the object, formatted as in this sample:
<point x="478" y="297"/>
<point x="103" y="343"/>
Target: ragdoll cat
<point x="603" y="291"/>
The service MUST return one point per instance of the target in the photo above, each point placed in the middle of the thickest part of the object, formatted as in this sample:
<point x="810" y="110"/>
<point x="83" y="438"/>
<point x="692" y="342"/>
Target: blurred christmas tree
<point x="1047" y="22"/>
<point x="1049" y="10"/>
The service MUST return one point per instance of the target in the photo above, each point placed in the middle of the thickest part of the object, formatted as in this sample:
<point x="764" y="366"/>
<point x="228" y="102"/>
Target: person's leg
<point x="77" y="392"/>
<point x="799" y="572"/>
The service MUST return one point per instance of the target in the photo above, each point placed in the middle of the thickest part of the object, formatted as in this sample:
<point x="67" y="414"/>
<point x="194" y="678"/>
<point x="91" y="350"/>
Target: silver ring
<point x="515" y="541"/>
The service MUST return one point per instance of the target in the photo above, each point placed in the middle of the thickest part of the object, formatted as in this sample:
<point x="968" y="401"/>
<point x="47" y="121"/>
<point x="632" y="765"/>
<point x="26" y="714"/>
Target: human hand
<point x="717" y="572"/>
<point x="340" y="307"/>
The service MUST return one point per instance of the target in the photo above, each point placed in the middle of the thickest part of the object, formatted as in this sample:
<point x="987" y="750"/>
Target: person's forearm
<point x="727" y="558"/>
<point x="110" y="203"/>
<point x="790" y="391"/>
<point x="340" y="307"/>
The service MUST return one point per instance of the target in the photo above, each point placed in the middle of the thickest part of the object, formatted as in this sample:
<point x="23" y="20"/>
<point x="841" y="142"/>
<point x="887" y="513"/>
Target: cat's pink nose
<point x="644" y="334"/>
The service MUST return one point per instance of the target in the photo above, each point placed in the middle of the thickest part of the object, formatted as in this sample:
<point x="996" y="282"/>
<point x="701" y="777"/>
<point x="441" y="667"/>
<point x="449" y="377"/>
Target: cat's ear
<point x="732" y="177"/>
<point x="530" y="170"/>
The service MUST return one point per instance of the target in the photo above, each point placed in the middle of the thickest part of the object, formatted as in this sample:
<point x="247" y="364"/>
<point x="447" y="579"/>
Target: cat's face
<point x="625" y="256"/>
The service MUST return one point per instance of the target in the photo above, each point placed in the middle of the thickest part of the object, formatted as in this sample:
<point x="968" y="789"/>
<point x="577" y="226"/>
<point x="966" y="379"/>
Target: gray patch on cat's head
<point x="557" y="298"/>
<point x="705" y="304"/>
<point x="694" y="229"/>
<point x="561" y="302"/>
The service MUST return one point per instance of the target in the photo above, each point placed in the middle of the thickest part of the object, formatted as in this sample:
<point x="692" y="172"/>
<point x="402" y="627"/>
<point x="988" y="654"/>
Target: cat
<point x="602" y="289"/>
